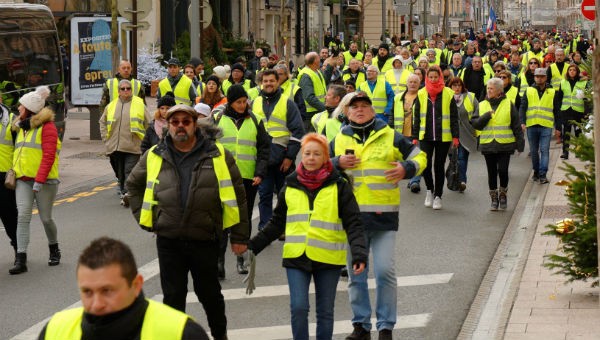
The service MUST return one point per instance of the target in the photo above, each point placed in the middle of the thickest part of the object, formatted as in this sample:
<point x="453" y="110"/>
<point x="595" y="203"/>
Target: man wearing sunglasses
<point x="536" y="52"/>
<point x="187" y="190"/>
<point x="110" y="91"/>
<point x="122" y="127"/>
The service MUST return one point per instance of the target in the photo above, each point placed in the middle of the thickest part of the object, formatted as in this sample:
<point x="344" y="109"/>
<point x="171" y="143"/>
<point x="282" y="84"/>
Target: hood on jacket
<point x="37" y="120"/>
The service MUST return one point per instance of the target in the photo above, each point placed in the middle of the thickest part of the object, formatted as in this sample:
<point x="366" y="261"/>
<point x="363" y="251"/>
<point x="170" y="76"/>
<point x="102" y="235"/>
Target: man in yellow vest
<point x="557" y="70"/>
<point x="175" y="82"/>
<point x="539" y="112"/>
<point x="122" y="126"/>
<point x="8" y="208"/>
<point x="124" y="313"/>
<point x="313" y="85"/>
<point x="187" y="190"/>
<point x="290" y="87"/>
<point x="352" y="53"/>
<point x="379" y="158"/>
<point x="355" y="73"/>
<point x="110" y="90"/>
<point x="380" y="92"/>
<point x="383" y="60"/>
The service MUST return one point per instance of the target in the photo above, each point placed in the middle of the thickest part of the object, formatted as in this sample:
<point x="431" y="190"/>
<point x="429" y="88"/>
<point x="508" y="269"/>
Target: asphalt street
<point x="441" y="258"/>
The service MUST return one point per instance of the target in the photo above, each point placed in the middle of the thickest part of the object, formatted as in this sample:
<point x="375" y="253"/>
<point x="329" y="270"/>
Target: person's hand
<point x="523" y="127"/>
<point x="348" y="161"/>
<point x="557" y="133"/>
<point x="358" y="268"/>
<point x="37" y="186"/>
<point x="455" y="142"/>
<point x="395" y="174"/>
<point x="285" y="165"/>
<point x="238" y="249"/>
<point x="256" y="181"/>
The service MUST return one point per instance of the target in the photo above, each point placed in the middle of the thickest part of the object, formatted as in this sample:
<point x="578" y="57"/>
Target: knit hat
<point x="202" y="109"/>
<point x="167" y="100"/>
<point x="36" y="100"/>
<point x="220" y="72"/>
<point x="182" y="108"/>
<point x="384" y="45"/>
<point x="237" y="66"/>
<point x="236" y="92"/>
<point x="215" y="79"/>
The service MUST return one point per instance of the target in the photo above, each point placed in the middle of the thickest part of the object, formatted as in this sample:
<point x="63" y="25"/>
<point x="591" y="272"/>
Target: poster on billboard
<point x="91" y="61"/>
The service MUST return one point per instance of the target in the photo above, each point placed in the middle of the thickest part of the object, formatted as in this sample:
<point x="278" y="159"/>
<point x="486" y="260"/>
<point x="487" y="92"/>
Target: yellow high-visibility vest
<point x="319" y="87"/>
<point x="28" y="153"/>
<point x="6" y="144"/>
<point x="241" y="143"/>
<point x="539" y="110"/>
<point x="398" y="85"/>
<point x="498" y="128"/>
<point x="181" y="92"/>
<point x="378" y="95"/>
<point x="227" y="84"/>
<point x="570" y="99"/>
<point x="557" y="76"/>
<point x="276" y="125"/>
<point x="447" y="96"/>
<point x="137" y="117"/>
<point x="113" y="88"/>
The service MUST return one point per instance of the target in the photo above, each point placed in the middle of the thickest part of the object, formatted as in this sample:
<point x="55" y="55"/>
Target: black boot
<point x="241" y="268"/>
<point x="20" y="264"/>
<point x="54" y="258"/>
<point x="221" y="268"/>
<point x="494" y="197"/>
<point x="502" y="198"/>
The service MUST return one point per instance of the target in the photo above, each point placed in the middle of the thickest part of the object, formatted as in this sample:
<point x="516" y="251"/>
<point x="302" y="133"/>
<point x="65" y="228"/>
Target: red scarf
<point x="314" y="179"/>
<point x="434" y="88"/>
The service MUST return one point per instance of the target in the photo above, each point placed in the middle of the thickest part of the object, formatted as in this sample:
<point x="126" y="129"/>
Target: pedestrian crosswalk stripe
<point x="283" y="290"/>
<point x="339" y="327"/>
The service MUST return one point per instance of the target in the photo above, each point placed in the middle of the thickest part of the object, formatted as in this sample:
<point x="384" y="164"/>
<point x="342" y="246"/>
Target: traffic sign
<point x="207" y="14"/>
<point x="141" y="26"/>
<point x="588" y="9"/>
<point x="143" y="8"/>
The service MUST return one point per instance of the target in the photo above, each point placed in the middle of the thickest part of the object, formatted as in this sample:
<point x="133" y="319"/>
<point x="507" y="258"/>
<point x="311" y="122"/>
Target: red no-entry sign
<point x="588" y="9"/>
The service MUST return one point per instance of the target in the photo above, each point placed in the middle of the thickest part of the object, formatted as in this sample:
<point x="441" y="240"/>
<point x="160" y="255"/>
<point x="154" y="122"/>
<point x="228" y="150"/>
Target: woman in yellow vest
<point x="435" y="128"/>
<point x="319" y="215"/>
<point x="501" y="134"/>
<point x="526" y="78"/>
<point x="246" y="138"/>
<point x="510" y="90"/>
<point x="572" y="91"/>
<point x="212" y="96"/>
<point x="35" y="161"/>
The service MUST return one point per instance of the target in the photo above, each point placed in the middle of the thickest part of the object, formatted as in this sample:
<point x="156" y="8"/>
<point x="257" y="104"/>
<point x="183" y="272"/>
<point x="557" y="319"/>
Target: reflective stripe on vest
<point x="397" y="85"/>
<point x="570" y="99"/>
<point x="348" y="57"/>
<point x="319" y="87"/>
<point x="539" y="110"/>
<point x="290" y="88"/>
<point x="113" y="88"/>
<point x="318" y="121"/>
<point x="181" y="92"/>
<point x="241" y="143"/>
<point x="388" y="65"/>
<point x="378" y="95"/>
<point x="137" y="117"/>
<point x="276" y="125"/>
<point x="231" y="212"/>
<point x="512" y="94"/>
<point x="447" y="96"/>
<point x="160" y="322"/>
<point x="523" y="85"/>
<point x="360" y="78"/>
<point x="557" y="77"/>
<point x="28" y="153"/>
<point x="498" y="128"/>
<point x="399" y="113"/>
<point x="227" y="84"/>
<point x="318" y="232"/>
<point x="6" y="145"/>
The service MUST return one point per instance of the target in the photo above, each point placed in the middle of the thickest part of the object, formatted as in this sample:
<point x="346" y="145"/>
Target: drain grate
<point x="87" y="155"/>
<point x="556" y="211"/>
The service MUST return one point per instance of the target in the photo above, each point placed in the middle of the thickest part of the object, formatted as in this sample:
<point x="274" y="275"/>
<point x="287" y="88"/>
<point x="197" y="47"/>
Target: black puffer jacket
<point x="200" y="217"/>
<point x="348" y="211"/>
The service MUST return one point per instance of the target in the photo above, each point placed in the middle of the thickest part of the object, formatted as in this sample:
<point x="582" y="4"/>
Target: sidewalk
<point x="545" y="308"/>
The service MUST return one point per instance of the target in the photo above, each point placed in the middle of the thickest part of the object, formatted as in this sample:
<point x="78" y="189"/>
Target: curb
<point x="490" y="310"/>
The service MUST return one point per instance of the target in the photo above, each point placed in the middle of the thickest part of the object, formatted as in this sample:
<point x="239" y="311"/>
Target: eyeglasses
<point x="185" y="122"/>
<point x="125" y="88"/>
<point x="533" y="63"/>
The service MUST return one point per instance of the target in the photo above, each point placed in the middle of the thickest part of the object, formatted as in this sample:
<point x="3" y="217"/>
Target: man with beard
<point x="475" y="77"/>
<point x="181" y="86"/>
<point x="197" y="187"/>
<point x="355" y="73"/>
<point x="383" y="60"/>
<point x="557" y="70"/>
<point x="353" y="53"/>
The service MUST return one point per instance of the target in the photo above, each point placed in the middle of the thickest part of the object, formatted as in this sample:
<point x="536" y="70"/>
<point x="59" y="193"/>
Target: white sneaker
<point x="429" y="199"/>
<point x="437" y="203"/>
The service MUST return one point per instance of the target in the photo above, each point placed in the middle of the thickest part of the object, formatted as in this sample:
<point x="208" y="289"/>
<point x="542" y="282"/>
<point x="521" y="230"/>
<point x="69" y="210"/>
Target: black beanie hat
<point x="237" y="66"/>
<point x="167" y="100"/>
<point x="215" y="79"/>
<point x="384" y="45"/>
<point x="236" y="92"/>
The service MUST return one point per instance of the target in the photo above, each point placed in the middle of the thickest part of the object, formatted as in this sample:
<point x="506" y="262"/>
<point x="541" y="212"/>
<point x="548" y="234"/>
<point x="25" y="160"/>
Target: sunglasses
<point x="185" y="122"/>
<point x="533" y="63"/>
<point x="125" y="88"/>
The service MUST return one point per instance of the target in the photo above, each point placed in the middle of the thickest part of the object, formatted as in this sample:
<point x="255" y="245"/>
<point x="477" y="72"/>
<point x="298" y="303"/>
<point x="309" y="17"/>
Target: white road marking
<point x="283" y="290"/>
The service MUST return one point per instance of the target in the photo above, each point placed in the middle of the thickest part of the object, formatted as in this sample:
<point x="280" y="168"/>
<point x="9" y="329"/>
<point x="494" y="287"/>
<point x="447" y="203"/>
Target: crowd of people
<point x="359" y="121"/>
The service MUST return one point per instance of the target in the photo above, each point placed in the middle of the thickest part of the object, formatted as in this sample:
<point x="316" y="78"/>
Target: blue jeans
<point x="539" y="145"/>
<point x="325" y="288"/>
<point x="382" y="245"/>
<point x="272" y="183"/>
<point x="416" y="179"/>
<point x="463" y="162"/>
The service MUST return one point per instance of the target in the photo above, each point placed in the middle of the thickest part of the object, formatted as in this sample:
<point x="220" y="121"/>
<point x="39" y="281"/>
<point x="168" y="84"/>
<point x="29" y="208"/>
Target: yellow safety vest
<point x="181" y="92"/>
<point x="387" y="66"/>
<point x="28" y="153"/>
<point x="348" y="57"/>
<point x="523" y="85"/>
<point x="570" y="99"/>
<point x="227" y="84"/>
<point x="468" y="103"/>
<point x="399" y="113"/>
<point x="539" y="110"/>
<point x="557" y="77"/>
<point x="530" y="54"/>
<point x="6" y="145"/>
<point x="137" y="117"/>
<point x="332" y="128"/>
<point x="318" y="86"/>
<point x="498" y="128"/>
<point x="113" y="87"/>
<point x="373" y="193"/>
<point x="378" y="95"/>
<point x="200" y="89"/>
<point x="397" y="85"/>
<point x="160" y="322"/>
<point x="447" y="96"/>
<point x="512" y="94"/>
<point x="360" y="78"/>
<point x="241" y="143"/>
<point x="318" y="121"/>
<point x="276" y="125"/>
<point x="253" y="92"/>
<point x="231" y="211"/>
<point x="290" y="88"/>
<point x="318" y="232"/>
